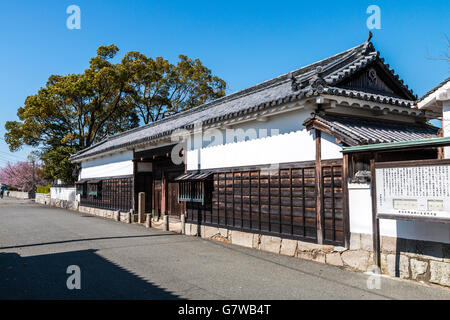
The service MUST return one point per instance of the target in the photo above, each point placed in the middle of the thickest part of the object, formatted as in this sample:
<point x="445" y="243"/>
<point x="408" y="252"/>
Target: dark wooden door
<point x="174" y="207"/>
<point x="145" y="184"/>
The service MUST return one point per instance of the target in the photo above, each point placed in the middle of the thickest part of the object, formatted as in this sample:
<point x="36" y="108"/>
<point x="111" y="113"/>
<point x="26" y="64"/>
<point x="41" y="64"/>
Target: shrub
<point x="44" y="189"/>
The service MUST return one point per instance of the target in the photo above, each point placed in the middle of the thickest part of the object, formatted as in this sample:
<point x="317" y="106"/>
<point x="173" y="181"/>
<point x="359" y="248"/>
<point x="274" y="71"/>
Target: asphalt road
<point x="122" y="261"/>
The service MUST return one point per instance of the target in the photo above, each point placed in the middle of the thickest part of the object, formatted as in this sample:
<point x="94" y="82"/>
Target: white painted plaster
<point x="115" y="165"/>
<point x="360" y="211"/>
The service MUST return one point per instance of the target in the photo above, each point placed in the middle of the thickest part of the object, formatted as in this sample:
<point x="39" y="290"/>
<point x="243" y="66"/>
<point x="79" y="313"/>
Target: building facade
<point x="268" y="160"/>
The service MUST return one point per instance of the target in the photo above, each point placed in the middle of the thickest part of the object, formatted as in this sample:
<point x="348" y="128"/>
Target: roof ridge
<point x="241" y="93"/>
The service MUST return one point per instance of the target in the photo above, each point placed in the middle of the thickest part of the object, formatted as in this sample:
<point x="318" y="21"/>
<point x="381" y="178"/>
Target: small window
<point x="94" y="189"/>
<point x="195" y="191"/>
<point x="81" y="189"/>
<point x="360" y="168"/>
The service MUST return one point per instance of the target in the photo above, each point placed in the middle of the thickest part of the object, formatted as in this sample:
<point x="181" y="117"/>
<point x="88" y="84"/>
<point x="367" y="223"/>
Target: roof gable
<point x="373" y="79"/>
<point x="361" y="69"/>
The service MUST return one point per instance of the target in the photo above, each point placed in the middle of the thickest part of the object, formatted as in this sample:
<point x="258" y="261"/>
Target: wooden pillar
<point x="163" y="194"/>
<point x="319" y="187"/>
<point x="134" y="188"/>
<point x="375" y="220"/>
<point x="346" y="214"/>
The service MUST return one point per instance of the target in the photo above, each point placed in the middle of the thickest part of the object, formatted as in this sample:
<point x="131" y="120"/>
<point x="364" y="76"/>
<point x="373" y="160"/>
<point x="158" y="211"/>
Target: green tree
<point x="74" y="111"/>
<point x="159" y="88"/>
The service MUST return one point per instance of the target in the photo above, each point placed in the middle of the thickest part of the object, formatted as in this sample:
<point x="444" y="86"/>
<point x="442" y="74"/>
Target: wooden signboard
<point x="413" y="191"/>
<point x="409" y="190"/>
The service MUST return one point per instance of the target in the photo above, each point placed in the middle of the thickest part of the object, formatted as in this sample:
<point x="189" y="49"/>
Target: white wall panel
<point x="280" y="139"/>
<point x="360" y="211"/>
<point x="120" y="164"/>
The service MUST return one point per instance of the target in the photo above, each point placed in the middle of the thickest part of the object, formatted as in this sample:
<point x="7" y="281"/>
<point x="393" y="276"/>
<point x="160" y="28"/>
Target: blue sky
<point x="243" y="42"/>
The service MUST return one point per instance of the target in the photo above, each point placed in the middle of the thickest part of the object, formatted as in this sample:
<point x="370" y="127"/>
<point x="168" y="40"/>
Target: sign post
<point x="409" y="190"/>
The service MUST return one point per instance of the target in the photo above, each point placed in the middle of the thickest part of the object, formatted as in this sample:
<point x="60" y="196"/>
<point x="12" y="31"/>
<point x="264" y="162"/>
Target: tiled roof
<point x="357" y="131"/>
<point x="309" y="80"/>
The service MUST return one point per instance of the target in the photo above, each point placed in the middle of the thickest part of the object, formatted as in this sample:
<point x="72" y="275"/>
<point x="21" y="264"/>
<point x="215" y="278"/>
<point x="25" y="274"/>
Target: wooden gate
<point x="174" y="208"/>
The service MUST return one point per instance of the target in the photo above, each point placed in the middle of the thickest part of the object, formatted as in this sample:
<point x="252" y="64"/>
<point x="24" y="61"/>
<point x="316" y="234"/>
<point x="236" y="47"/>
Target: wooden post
<point x="319" y="187"/>
<point x="375" y="220"/>
<point x="134" y="189"/>
<point x="346" y="214"/>
<point x="163" y="194"/>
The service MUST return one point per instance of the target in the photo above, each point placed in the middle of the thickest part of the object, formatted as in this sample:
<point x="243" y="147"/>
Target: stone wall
<point x="407" y="259"/>
<point x="17" y="194"/>
<point x="109" y="214"/>
<point x="126" y="217"/>
<point x="42" y="198"/>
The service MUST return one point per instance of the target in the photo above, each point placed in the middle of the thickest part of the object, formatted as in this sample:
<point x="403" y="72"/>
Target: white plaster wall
<point x="330" y="149"/>
<point x="360" y="211"/>
<point x="119" y="164"/>
<point x="60" y="193"/>
<point x="281" y="139"/>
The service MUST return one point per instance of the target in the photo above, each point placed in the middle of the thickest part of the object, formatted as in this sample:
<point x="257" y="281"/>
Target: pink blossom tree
<point x="20" y="175"/>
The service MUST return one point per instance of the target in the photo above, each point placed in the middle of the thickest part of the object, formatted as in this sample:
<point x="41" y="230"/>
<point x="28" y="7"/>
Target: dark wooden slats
<point x="116" y="194"/>
<point x="333" y="203"/>
<point x="280" y="202"/>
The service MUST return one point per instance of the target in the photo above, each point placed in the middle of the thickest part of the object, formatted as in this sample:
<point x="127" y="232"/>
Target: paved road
<point x="121" y="261"/>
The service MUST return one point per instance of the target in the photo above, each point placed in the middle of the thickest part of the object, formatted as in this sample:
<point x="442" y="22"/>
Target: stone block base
<point x="406" y="259"/>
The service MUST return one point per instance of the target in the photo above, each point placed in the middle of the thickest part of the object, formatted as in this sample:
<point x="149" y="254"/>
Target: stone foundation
<point x="174" y="224"/>
<point x="44" y="198"/>
<point x="407" y="259"/>
<point x="109" y="214"/>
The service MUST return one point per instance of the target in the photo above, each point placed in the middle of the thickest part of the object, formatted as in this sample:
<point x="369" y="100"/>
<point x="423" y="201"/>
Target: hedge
<point x="44" y="189"/>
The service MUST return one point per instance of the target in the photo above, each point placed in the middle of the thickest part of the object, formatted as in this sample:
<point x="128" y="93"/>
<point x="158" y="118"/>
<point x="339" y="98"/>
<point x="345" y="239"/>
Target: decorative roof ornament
<point x="294" y="84"/>
<point x="316" y="82"/>
<point x="368" y="46"/>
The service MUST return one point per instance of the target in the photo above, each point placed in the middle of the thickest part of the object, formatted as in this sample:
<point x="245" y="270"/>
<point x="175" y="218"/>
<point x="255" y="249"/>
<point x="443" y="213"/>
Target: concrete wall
<point x="115" y="165"/>
<point x="360" y="211"/>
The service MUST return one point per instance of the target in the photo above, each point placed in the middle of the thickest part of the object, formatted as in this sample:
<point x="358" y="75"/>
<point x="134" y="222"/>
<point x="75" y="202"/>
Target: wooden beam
<point x="133" y="189"/>
<point x="346" y="215"/>
<point x="375" y="220"/>
<point x="319" y="187"/>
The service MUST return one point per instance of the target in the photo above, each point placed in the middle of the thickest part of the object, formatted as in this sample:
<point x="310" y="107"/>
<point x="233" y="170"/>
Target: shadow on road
<point x="87" y="239"/>
<point x="45" y="277"/>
